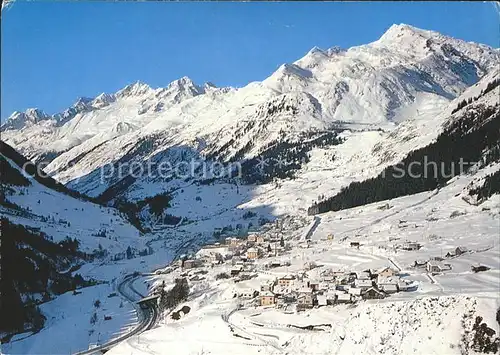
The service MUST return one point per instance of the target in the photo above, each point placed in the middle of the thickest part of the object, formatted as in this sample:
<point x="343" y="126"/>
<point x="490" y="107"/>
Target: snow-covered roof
<point x="363" y="283"/>
<point x="267" y="294"/>
<point x="322" y="300"/>
<point x="373" y="289"/>
<point x="355" y="291"/>
<point x="387" y="280"/>
<point x="251" y="250"/>
<point x="363" y="275"/>
<point x="344" y="296"/>
<point x="390" y="287"/>
<point x="386" y="268"/>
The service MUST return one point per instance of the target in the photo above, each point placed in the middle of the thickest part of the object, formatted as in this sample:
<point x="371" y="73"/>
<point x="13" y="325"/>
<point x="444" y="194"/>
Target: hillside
<point x="469" y="139"/>
<point x="337" y="167"/>
<point x="48" y="233"/>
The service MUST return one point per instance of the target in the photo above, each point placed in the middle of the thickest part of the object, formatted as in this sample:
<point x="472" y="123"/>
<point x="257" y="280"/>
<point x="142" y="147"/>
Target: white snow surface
<point x="389" y="97"/>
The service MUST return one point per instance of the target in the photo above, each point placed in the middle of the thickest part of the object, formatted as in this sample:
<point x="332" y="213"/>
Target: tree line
<point x="427" y="168"/>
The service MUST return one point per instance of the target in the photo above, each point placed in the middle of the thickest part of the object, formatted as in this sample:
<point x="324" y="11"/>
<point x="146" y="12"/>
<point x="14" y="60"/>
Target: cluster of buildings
<point x="333" y="287"/>
<point x="436" y="264"/>
<point x="235" y="250"/>
<point x="409" y="246"/>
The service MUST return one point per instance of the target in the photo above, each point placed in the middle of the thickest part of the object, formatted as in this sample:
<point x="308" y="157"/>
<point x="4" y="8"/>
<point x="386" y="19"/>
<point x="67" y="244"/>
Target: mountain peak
<point x="82" y="103"/>
<point x="103" y="100"/>
<point x="397" y="34"/>
<point x="315" y="50"/>
<point x="185" y="84"/>
<point x="36" y="114"/>
<point x="20" y="119"/>
<point x="209" y="85"/>
<point x="138" y="88"/>
<point x="181" y="83"/>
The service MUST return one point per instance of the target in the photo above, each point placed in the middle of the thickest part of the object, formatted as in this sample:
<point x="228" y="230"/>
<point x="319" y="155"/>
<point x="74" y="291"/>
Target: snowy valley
<point x="265" y="219"/>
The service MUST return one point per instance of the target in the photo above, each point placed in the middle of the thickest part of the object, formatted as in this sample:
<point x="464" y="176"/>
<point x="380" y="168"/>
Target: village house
<point x="259" y="239"/>
<point x="343" y="298"/>
<point x="322" y="300"/>
<point x="390" y="288"/>
<point x="289" y="298"/>
<point x="252" y="253"/>
<point x="248" y="294"/>
<point x="323" y="285"/>
<point x="410" y="246"/>
<point x="420" y="263"/>
<point x="232" y="241"/>
<point x="330" y="297"/>
<point x="337" y="273"/>
<point x="252" y="238"/>
<point x="343" y="286"/>
<point x="363" y="275"/>
<point x="191" y="263"/>
<point x="275" y="263"/>
<point x="328" y="279"/>
<point x="267" y="286"/>
<point x="404" y="285"/>
<point x="355" y="291"/>
<point x="355" y="245"/>
<point x="386" y="272"/>
<point x="387" y="284"/>
<point x="267" y="299"/>
<point x="461" y="250"/>
<point x="313" y="285"/>
<point x="372" y="293"/>
<point x="236" y="260"/>
<point x="363" y="284"/>
<point x="286" y="281"/>
<point x="436" y="266"/>
<point x="235" y="270"/>
<point x="305" y="299"/>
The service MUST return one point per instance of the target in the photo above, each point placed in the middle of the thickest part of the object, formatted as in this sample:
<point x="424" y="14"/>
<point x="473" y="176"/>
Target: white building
<point x="363" y="284"/>
<point x="322" y="300"/>
<point x="247" y="294"/>
<point x="363" y="275"/>
<point x="386" y="272"/>
<point x="344" y="298"/>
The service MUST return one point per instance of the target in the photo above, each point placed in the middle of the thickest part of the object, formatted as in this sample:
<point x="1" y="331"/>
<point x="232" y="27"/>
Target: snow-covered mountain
<point x="370" y="104"/>
<point x="33" y="200"/>
<point x="299" y="139"/>
<point x="48" y="233"/>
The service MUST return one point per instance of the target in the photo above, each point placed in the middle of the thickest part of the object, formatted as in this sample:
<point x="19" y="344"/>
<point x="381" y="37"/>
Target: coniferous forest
<point x="30" y="265"/>
<point x="465" y="139"/>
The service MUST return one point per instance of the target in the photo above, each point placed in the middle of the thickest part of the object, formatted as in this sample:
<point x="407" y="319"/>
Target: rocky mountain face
<point x="335" y="115"/>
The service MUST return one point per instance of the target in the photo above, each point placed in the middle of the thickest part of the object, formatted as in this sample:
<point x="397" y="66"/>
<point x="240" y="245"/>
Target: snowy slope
<point x="430" y="320"/>
<point x="407" y="73"/>
<point x="60" y="215"/>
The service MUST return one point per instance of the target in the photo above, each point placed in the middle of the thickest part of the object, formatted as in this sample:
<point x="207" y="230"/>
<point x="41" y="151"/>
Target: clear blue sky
<point x="54" y="52"/>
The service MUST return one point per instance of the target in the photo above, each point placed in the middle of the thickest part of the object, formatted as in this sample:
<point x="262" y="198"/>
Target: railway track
<point x="147" y="316"/>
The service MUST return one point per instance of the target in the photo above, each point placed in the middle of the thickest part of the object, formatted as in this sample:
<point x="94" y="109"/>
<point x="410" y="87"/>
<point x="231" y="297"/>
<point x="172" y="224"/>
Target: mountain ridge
<point x="407" y="74"/>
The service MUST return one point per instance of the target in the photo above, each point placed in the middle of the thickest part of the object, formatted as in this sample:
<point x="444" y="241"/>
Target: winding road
<point x="147" y="316"/>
